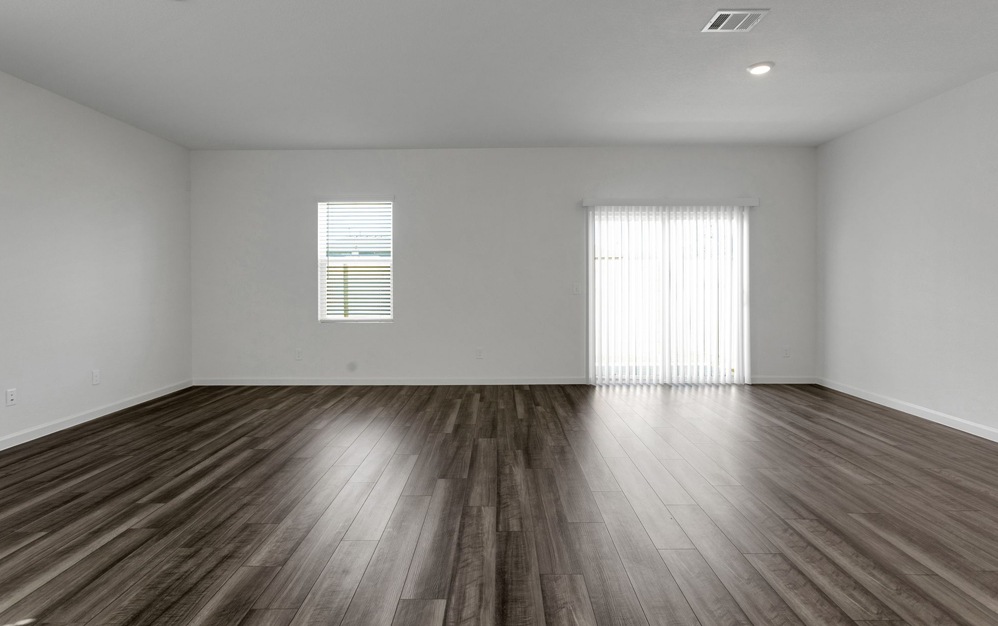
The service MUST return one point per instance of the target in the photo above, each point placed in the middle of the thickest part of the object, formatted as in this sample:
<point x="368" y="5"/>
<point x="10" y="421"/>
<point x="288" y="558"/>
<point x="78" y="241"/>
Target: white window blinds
<point x="355" y="261"/>
<point x="669" y="294"/>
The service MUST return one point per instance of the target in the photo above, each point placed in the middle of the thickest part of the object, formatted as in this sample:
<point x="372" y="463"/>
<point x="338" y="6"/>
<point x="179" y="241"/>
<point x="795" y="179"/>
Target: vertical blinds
<point x="669" y="294"/>
<point x="355" y="261"/>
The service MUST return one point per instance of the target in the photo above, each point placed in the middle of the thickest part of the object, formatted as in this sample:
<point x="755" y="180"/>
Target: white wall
<point x="488" y="245"/>
<point x="94" y="262"/>
<point x="909" y="259"/>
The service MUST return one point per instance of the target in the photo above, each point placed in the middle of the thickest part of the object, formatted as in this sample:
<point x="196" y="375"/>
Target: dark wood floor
<point x="501" y="505"/>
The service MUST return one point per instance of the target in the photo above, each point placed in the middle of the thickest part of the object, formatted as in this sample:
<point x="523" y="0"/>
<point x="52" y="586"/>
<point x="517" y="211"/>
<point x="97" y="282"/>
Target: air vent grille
<point x="735" y="20"/>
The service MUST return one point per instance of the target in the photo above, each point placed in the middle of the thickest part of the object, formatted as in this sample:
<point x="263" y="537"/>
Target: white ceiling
<point x="491" y="73"/>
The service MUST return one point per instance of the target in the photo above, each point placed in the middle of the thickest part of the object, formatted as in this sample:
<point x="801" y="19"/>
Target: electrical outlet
<point x="10" y="398"/>
<point x="479" y="353"/>
<point x="298" y="354"/>
<point x="95" y="377"/>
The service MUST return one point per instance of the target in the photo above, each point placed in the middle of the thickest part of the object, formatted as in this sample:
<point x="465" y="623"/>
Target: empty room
<point x="411" y="313"/>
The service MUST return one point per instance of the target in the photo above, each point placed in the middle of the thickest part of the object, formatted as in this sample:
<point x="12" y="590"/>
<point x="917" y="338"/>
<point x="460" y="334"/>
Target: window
<point x="669" y="294"/>
<point x="355" y="261"/>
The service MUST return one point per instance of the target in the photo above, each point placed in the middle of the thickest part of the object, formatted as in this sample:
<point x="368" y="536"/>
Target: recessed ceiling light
<point x="758" y="69"/>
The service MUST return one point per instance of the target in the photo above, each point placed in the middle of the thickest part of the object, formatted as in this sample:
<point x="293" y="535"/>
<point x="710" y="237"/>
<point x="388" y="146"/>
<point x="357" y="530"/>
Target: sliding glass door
<point x="669" y="295"/>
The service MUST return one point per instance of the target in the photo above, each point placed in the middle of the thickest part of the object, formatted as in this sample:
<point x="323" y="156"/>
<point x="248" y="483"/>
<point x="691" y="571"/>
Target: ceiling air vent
<point x="735" y="20"/>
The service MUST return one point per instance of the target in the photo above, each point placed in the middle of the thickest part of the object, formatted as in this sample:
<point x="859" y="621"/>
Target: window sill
<point x="358" y="321"/>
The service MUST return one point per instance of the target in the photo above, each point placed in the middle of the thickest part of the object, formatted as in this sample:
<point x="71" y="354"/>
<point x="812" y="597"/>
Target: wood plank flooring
<point x="503" y="505"/>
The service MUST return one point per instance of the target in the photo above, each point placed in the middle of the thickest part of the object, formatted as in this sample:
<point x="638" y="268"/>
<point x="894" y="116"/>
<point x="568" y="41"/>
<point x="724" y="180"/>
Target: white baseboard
<point x="967" y="426"/>
<point x="390" y="381"/>
<point x="784" y="380"/>
<point x="9" y="441"/>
